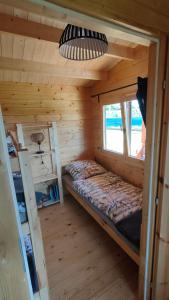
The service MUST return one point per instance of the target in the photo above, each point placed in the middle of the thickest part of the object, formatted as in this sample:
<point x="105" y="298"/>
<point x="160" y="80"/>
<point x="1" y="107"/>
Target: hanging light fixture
<point x="38" y="139"/>
<point x="78" y="43"/>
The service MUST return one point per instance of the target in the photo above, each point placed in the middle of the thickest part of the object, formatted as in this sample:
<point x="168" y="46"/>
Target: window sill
<point x="112" y="152"/>
<point x="129" y="160"/>
<point x="135" y="161"/>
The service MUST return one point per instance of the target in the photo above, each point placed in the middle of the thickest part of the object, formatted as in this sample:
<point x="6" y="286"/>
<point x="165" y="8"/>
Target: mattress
<point x="128" y="228"/>
<point x="112" y="195"/>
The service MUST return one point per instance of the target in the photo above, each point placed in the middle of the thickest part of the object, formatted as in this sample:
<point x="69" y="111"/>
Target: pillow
<point x="82" y="169"/>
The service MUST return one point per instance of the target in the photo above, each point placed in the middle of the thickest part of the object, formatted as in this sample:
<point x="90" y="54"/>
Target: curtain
<point x="142" y="96"/>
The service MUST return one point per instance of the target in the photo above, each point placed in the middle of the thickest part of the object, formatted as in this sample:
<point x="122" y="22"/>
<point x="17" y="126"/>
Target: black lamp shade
<point x="78" y="43"/>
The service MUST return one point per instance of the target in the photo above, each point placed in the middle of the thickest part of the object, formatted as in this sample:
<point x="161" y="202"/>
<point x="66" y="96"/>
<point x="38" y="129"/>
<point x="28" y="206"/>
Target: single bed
<point x="124" y="229"/>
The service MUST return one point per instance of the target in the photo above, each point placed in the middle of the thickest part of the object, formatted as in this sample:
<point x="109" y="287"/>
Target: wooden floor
<point x="82" y="261"/>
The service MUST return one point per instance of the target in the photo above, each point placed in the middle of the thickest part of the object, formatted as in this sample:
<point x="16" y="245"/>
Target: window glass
<point x="113" y="128"/>
<point x="136" y="133"/>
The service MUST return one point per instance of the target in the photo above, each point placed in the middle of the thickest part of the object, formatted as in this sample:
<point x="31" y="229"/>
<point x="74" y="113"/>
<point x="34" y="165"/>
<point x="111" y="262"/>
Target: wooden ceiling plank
<point x="20" y="13"/>
<point x="9" y="10"/>
<point x="29" y="48"/>
<point x="18" y="46"/>
<point x="10" y="64"/>
<point x="32" y="29"/>
<point x="7" y="45"/>
<point x="0" y="45"/>
<point x="66" y="16"/>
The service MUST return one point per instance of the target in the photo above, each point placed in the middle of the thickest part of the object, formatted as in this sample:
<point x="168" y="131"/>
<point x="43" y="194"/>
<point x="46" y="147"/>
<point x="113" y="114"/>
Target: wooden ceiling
<point x="29" y="48"/>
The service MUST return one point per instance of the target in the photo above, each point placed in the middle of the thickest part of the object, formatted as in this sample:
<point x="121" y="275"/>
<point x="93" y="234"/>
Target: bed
<point x="112" y="202"/>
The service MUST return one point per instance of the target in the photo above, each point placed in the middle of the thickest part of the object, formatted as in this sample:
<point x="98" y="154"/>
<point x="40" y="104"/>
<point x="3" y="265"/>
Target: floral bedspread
<point x="110" y="194"/>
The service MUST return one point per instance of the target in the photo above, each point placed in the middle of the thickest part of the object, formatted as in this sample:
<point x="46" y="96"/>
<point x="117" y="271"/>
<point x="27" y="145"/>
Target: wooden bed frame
<point x="114" y="235"/>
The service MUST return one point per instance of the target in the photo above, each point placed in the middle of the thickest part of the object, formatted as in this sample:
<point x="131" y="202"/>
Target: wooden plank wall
<point x="124" y="73"/>
<point x="69" y="106"/>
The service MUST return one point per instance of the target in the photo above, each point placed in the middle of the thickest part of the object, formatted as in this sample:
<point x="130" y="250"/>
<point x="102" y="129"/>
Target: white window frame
<point x="125" y="155"/>
<point x="127" y="130"/>
<point x="104" y="129"/>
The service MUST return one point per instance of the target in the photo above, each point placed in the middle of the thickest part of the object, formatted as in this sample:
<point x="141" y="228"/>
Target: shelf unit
<point x="41" y="179"/>
<point x="14" y="275"/>
<point x="53" y="153"/>
<point x="15" y="233"/>
<point x="32" y="226"/>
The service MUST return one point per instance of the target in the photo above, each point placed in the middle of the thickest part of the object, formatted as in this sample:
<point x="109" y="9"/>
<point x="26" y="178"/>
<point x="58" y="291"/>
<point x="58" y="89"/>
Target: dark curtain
<point x="142" y="96"/>
<point x="33" y="274"/>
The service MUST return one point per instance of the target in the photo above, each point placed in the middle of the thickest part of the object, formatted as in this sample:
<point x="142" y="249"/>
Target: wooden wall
<point x="69" y="106"/>
<point x="122" y="74"/>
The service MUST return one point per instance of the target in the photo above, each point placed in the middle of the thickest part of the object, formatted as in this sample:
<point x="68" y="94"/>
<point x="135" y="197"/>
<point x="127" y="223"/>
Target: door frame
<point x="160" y="275"/>
<point x="155" y="96"/>
<point x="156" y="75"/>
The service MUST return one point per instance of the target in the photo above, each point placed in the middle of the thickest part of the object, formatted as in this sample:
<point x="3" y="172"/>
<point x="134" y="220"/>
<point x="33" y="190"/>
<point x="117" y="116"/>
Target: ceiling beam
<point x="66" y="15"/>
<point x="119" y="51"/>
<point x="11" y="64"/>
<point x="28" y="28"/>
<point x="31" y="29"/>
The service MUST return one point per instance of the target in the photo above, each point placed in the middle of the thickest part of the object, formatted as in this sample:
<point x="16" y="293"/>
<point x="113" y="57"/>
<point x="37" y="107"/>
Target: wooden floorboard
<point x="83" y="262"/>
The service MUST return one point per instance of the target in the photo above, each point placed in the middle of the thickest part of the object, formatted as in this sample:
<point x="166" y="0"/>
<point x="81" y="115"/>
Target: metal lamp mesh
<point x="78" y="43"/>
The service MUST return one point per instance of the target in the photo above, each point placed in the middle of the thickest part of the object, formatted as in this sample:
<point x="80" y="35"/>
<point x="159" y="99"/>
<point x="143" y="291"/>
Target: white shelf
<point x="25" y="228"/>
<point x="49" y="202"/>
<point x="41" y="154"/>
<point x="27" y="126"/>
<point x="44" y="178"/>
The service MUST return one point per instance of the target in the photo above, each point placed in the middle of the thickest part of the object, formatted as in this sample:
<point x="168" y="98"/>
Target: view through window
<point x="136" y="133"/>
<point x="113" y="133"/>
<point x="113" y="128"/>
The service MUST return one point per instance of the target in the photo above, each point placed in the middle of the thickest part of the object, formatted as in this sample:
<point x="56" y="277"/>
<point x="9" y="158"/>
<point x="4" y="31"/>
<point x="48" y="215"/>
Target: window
<point x="113" y="128"/>
<point x="136" y="132"/>
<point x="124" y="133"/>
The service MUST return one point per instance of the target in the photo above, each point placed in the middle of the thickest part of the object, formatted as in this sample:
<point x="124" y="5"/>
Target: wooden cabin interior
<point x="59" y="115"/>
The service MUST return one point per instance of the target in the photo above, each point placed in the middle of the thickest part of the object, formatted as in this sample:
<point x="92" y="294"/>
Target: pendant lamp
<point x="38" y="139"/>
<point x="78" y="43"/>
